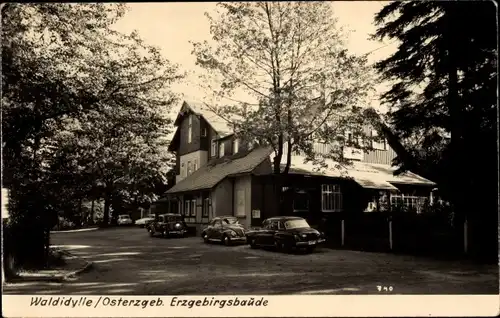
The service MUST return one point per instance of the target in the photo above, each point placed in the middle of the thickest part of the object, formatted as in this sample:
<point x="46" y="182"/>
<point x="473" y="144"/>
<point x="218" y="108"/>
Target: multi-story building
<point x="219" y="174"/>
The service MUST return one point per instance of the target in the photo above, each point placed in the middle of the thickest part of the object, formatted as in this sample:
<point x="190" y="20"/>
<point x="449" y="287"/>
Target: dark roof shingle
<point x="210" y="175"/>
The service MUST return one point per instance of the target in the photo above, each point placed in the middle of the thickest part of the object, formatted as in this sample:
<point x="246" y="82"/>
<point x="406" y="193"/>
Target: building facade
<point x="218" y="174"/>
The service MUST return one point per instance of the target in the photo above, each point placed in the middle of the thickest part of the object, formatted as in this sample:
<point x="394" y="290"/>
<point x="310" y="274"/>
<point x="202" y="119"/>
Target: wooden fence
<point x="410" y="233"/>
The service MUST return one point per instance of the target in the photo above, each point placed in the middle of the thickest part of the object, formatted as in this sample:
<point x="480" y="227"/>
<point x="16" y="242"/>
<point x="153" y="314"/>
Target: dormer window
<point x="221" y="150"/>
<point x="204" y="132"/>
<point x="190" y="128"/>
<point x="236" y="144"/>
<point x="214" y="148"/>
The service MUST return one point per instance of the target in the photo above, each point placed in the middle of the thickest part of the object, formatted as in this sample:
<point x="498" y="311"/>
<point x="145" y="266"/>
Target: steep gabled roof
<point x="209" y="176"/>
<point x="221" y="126"/>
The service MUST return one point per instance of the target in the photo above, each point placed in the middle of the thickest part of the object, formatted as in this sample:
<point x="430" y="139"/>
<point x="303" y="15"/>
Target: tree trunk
<point x="455" y="112"/>
<point x="107" y="205"/>
<point x="91" y="218"/>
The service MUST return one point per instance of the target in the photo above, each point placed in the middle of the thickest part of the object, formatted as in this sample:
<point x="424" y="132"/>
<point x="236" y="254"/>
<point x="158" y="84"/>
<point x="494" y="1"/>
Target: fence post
<point x="390" y="234"/>
<point x="466" y="239"/>
<point x="342" y="232"/>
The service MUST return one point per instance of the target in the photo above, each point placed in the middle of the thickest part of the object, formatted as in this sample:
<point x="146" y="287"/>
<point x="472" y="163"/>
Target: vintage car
<point x="124" y="219"/>
<point x="284" y="234"/>
<point x="167" y="225"/>
<point x="225" y="229"/>
<point x="143" y="222"/>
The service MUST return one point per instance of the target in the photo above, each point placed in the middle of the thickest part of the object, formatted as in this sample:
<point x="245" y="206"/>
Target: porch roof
<point x="367" y="175"/>
<point x="209" y="176"/>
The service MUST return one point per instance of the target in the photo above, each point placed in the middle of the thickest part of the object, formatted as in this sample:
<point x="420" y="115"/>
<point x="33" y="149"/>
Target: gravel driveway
<point x="127" y="261"/>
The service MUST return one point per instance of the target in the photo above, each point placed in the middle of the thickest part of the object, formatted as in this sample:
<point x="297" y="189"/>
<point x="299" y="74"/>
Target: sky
<point x="171" y="27"/>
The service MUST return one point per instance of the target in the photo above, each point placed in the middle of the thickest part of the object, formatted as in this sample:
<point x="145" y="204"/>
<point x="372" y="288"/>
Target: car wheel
<point x="205" y="238"/>
<point x="226" y="240"/>
<point x="165" y="233"/>
<point x="310" y="249"/>
<point x="277" y="246"/>
<point x="253" y="243"/>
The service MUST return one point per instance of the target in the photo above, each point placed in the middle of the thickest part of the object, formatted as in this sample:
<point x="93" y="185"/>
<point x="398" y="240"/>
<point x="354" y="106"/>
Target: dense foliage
<point x="82" y="113"/>
<point x="290" y="58"/>
<point x="444" y="98"/>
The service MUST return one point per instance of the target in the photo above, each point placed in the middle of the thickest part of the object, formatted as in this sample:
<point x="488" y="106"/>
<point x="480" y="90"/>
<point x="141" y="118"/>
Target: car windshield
<point x="230" y="221"/>
<point x="295" y="224"/>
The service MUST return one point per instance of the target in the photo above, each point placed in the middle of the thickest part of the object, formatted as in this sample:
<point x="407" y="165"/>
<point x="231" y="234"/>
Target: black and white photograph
<point x="236" y="151"/>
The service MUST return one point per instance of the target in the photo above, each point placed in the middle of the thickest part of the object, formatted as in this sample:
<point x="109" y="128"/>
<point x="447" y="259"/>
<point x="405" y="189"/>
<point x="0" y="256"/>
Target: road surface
<point x="127" y="261"/>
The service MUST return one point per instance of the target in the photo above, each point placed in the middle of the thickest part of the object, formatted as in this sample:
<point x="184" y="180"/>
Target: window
<point x="195" y="165"/>
<point x="301" y="201"/>
<point x="189" y="171"/>
<point x="186" y="207"/>
<point x="273" y="225"/>
<point x="206" y="207"/>
<point x="221" y="150"/>
<point x="331" y="198"/>
<point x="190" y="129"/>
<point x="193" y="207"/>
<point x="180" y="207"/>
<point x="183" y="170"/>
<point x="349" y="138"/>
<point x="235" y="145"/>
<point x="408" y="201"/>
<point x="204" y="132"/>
<point x="214" y="147"/>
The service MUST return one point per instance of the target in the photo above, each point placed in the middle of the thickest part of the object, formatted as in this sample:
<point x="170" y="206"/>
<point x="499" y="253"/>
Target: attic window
<point x="204" y="132"/>
<point x="221" y="150"/>
<point x="190" y="129"/>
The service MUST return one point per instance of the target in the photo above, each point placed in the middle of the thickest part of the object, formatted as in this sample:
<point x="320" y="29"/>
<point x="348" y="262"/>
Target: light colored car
<point x="124" y="219"/>
<point x="143" y="222"/>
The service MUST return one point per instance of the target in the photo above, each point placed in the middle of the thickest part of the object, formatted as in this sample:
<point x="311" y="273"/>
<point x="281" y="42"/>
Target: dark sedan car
<point x="224" y="229"/>
<point x="285" y="233"/>
<point x="168" y="225"/>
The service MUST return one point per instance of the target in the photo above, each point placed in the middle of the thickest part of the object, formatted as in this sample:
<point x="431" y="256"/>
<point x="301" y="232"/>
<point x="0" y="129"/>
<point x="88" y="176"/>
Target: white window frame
<point x="408" y="200"/>
<point x="195" y="165"/>
<point x="190" y="129"/>
<point x="193" y="208"/>
<point x="183" y="170"/>
<point x="334" y="198"/>
<point x="221" y="150"/>
<point x="204" y="132"/>
<point x="236" y="144"/>
<point x="189" y="168"/>
<point x="214" y="148"/>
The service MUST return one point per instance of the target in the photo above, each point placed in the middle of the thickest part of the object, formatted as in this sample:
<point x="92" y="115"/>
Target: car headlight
<point x="178" y="226"/>
<point x="304" y="235"/>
